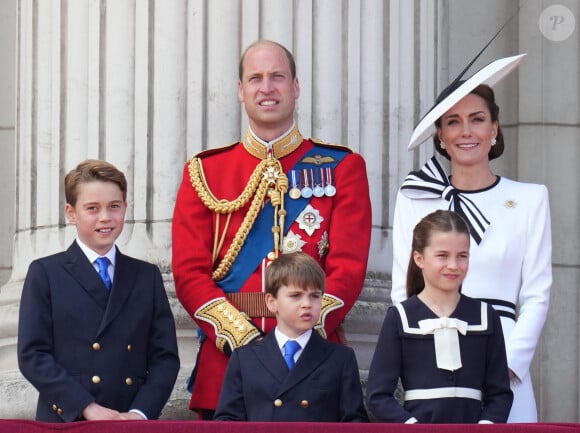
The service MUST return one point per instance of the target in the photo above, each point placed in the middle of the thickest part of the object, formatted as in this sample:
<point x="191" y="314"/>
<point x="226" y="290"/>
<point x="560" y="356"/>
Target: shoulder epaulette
<point x="323" y="143"/>
<point x="216" y="150"/>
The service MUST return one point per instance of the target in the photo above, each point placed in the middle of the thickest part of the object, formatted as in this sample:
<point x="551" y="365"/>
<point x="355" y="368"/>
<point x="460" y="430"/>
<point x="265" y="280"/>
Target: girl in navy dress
<point x="446" y="348"/>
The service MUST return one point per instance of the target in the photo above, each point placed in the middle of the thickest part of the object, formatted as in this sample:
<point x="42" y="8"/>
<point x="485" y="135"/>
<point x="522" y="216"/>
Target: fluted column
<point x="96" y="79"/>
<point x="147" y="84"/>
<point x="548" y="153"/>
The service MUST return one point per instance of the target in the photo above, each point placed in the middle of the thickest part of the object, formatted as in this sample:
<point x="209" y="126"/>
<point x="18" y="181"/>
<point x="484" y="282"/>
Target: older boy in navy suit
<point x="317" y="380"/>
<point x="96" y="334"/>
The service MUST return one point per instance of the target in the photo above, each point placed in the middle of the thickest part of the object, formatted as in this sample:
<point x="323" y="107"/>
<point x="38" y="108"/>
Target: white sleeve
<point x="534" y="296"/>
<point x="403" y="224"/>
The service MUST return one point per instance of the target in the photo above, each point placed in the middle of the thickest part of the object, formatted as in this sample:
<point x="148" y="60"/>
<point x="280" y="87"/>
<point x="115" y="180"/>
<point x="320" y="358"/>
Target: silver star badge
<point x="309" y="220"/>
<point x="292" y="243"/>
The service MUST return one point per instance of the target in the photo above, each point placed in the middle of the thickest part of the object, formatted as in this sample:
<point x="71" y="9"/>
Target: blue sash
<point x="257" y="245"/>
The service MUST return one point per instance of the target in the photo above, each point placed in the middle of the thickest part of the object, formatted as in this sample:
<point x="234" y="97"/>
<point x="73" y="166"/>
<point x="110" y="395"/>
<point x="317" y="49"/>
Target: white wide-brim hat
<point x="490" y="75"/>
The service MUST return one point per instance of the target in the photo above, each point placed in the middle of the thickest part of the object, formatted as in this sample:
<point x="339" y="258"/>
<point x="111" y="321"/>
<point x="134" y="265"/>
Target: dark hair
<point x="288" y="54"/>
<point x="486" y="93"/>
<point x="296" y="268"/>
<point x="444" y="221"/>
<point x="92" y="170"/>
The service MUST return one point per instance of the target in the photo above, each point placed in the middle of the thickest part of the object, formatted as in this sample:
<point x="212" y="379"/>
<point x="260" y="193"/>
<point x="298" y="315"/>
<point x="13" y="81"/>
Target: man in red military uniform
<point x="240" y="206"/>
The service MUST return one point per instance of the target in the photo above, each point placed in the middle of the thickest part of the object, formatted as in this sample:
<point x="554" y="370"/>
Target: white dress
<point x="512" y="264"/>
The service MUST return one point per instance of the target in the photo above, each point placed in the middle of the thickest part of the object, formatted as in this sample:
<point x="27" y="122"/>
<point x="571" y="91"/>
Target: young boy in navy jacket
<point x="318" y="381"/>
<point x="96" y="335"/>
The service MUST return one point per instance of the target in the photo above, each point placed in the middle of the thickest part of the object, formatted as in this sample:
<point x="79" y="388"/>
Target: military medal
<point x="329" y="189"/>
<point x="318" y="190"/>
<point x="306" y="190"/>
<point x="294" y="191"/>
<point x="323" y="245"/>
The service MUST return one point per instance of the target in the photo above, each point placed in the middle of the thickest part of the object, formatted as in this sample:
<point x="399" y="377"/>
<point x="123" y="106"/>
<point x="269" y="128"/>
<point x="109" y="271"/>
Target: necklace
<point x="441" y="309"/>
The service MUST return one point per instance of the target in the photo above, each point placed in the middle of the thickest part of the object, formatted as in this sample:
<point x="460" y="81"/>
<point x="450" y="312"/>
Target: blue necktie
<point x="103" y="264"/>
<point x="290" y="348"/>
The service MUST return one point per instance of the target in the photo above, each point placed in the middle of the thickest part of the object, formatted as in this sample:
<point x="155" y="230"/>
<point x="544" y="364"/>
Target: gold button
<point x="129" y="381"/>
<point x="59" y="411"/>
<point x="54" y="407"/>
<point x="304" y="404"/>
<point x="278" y="402"/>
<point x="271" y="255"/>
<point x="96" y="379"/>
<point x="129" y="348"/>
<point x="96" y="346"/>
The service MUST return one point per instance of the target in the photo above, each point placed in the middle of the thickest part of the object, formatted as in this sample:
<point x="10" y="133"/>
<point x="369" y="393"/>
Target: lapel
<point x="79" y="267"/>
<point x="316" y="352"/>
<point x="271" y="358"/>
<point x="123" y="283"/>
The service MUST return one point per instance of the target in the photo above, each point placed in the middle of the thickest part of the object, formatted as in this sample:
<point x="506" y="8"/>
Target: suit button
<point x="54" y="407"/>
<point x="129" y="348"/>
<point x="96" y="380"/>
<point x="129" y="381"/>
<point x="59" y="411"/>
<point x="96" y="346"/>
<point x="304" y="404"/>
<point x="278" y="402"/>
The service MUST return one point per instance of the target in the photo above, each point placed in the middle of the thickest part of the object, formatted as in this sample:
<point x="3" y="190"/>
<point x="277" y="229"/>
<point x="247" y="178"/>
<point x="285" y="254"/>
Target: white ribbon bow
<point x="444" y="330"/>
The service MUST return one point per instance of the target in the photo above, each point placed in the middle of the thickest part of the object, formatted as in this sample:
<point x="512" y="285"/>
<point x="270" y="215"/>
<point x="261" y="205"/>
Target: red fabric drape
<point x="27" y="426"/>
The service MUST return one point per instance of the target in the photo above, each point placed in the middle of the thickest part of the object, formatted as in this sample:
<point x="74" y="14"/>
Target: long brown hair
<point x="444" y="221"/>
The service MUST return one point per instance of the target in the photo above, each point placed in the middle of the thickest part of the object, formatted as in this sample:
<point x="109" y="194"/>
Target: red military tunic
<point x="339" y="242"/>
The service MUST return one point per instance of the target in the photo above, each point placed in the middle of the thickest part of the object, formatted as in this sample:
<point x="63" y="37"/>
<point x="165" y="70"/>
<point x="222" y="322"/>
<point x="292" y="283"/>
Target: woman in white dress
<point x="509" y="221"/>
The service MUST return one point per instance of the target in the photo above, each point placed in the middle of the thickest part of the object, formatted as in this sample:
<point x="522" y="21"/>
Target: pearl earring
<point x="442" y="145"/>
<point x="493" y="141"/>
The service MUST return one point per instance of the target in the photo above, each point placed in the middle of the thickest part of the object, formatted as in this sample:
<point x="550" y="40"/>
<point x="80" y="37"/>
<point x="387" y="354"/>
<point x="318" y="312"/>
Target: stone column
<point x="96" y="80"/>
<point x="147" y="84"/>
<point x="548" y="153"/>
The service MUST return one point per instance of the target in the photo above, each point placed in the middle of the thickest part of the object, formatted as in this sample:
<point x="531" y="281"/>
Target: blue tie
<point x="290" y="348"/>
<point x="103" y="263"/>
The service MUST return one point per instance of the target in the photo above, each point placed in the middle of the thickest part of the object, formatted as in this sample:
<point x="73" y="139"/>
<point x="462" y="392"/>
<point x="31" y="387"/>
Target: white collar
<point x="93" y="255"/>
<point x="282" y="338"/>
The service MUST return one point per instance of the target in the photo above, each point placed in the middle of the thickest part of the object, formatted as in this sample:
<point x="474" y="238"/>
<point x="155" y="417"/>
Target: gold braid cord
<point x="231" y="326"/>
<point x="267" y="176"/>
<point x="329" y="303"/>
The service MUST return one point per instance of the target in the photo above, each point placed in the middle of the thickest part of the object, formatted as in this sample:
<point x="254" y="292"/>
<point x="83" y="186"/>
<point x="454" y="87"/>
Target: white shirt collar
<point x="92" y="255"/>
<point x="282" y="338"/>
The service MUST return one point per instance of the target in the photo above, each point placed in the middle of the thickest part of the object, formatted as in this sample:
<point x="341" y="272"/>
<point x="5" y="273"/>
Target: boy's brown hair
<point x="92" y="170"/>
<point x="296" y="268"/>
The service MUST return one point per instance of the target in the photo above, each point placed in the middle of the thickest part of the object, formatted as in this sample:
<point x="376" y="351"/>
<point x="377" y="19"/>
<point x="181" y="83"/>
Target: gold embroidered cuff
<point x="232" y="327"/>
<point x="329" y="303"/>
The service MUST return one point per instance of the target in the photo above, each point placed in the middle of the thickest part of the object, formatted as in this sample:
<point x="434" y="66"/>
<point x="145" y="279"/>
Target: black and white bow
<point x="431" y="181"/>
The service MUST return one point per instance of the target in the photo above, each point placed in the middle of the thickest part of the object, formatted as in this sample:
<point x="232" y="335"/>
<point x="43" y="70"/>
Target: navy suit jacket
<point x="78" y="343"/>
<point x="324" y="385"/>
